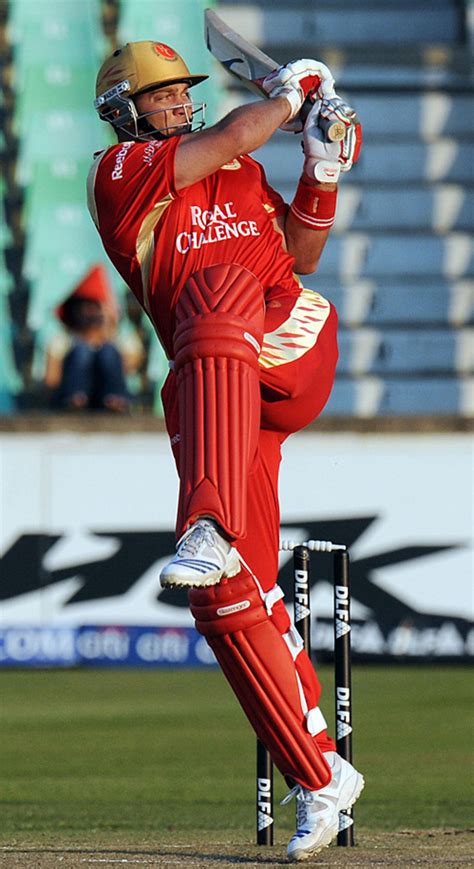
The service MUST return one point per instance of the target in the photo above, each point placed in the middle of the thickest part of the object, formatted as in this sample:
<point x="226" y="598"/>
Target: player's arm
<point x="242" y="130"/>
<point x="303" y="243"/>
<point x="247" y="128"/>
<point x="312" y="212"/>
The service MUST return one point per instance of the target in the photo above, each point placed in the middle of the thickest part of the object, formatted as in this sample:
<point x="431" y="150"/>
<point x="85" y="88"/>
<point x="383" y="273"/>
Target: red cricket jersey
<point x="157" y="236"/>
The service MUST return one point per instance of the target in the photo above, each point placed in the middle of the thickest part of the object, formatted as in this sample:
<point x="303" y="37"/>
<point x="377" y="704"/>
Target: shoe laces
<point x="293" y="793"/>
<point x="306" y="803"/>
<point x="197" y="535"/>
<point x="301" y="814"/>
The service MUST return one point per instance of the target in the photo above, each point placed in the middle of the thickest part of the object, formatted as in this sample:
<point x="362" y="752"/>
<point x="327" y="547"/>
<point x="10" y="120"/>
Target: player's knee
<point x="224" y="288"/>
<point x="219" y="314"/>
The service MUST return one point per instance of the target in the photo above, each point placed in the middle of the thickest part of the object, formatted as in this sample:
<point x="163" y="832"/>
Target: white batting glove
<point x="325" y="160"/>
<point x="298" y="79"/>
<point x="336" y="117"/>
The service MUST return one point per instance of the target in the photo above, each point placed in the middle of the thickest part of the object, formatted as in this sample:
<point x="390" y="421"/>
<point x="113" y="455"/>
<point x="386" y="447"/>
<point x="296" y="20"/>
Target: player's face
<point x="168" y="108"/>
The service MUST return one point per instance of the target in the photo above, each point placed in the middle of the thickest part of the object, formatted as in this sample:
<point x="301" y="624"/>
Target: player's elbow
<point x="305" y="268"/>
<point x="305" y="263"/>
<point x="243" y="137"/>
<point x="306" y="247"/>
<point x="241" y="131"/>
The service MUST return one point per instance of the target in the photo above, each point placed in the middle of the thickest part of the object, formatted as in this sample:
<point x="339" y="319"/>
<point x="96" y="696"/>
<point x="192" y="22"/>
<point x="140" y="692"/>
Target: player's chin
<point x="178" y="130"/>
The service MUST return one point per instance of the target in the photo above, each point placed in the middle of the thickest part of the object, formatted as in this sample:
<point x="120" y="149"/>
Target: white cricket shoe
<point x="318" y="811"/>
<point x="203" y="557"/>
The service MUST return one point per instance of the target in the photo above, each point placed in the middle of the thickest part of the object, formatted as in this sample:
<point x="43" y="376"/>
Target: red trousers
<point x="295" y="386"/>
<point x="293" y="394"/>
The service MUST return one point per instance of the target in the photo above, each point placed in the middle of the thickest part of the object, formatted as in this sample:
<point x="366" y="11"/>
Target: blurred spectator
<point x="85" y="365"/>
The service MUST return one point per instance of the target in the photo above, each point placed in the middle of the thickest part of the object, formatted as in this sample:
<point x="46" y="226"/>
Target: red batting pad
<point x="260" y="669"/>
<point x="219" y="329"/>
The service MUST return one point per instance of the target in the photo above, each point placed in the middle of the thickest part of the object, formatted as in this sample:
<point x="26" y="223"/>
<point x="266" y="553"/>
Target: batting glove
<point x="325" y="160"/>
<point x="298" y="79"/>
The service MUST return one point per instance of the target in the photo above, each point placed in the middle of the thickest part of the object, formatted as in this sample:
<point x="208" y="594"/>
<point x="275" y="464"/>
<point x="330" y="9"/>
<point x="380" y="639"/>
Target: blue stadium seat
<point x="435" y="71"/>
<point x="363" y="23"/>
<point x="342" y="400"/>
<point x="390" y="163"/>
<point x="440" y="303"/>
<point x="399" y="263"/>
<point x="444" y="160"/>
<point x="438" y="208"/>
<point x="401" y="396"/>
<point x="357" y="256"/>
<point x="405" y="351"/>
<point x="435" y="113"/>
<point x="407" y="303"/>
<point x="452" y="256"/>
<point x="427" y="396"/>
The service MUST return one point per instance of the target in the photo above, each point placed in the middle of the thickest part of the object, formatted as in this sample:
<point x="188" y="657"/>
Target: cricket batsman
<point x="212" y="254"/>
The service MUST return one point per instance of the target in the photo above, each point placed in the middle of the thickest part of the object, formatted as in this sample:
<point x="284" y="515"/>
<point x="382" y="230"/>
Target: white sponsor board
<point x="86" y="524"/>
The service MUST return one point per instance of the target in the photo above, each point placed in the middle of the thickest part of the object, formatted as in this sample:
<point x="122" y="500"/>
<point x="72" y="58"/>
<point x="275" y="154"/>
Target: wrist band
<point x="314" y="207"/>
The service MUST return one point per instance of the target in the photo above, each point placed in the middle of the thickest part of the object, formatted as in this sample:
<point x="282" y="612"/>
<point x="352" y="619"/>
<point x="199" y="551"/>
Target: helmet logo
<point x="164" y="50"/>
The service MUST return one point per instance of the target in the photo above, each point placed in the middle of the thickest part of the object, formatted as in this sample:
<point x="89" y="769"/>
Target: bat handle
<point x="334" y="131"/>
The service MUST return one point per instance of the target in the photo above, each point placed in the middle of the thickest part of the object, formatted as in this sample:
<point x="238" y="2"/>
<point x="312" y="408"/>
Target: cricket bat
<point x="248" y="64"/>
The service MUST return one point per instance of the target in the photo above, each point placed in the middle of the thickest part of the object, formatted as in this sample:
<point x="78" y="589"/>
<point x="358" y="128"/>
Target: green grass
<point x="91" y="753"/>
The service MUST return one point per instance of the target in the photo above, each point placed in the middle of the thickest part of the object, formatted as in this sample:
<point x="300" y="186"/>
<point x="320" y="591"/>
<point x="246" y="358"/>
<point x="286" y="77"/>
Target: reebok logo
<point x="117" y="171"/>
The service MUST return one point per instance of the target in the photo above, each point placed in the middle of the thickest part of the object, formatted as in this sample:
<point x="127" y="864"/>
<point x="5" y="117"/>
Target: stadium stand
<point x="400" y="263"/>
<point x="51" y="50"/>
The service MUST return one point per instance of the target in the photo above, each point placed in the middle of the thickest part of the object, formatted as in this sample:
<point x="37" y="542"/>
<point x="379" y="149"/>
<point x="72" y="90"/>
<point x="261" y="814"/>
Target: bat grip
<point x="334" y="130"/>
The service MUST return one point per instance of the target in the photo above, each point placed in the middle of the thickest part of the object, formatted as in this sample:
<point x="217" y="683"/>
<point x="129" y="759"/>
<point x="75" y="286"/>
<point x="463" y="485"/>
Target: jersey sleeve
<point x="131" y="179"/>
<point x="273" y="203"/>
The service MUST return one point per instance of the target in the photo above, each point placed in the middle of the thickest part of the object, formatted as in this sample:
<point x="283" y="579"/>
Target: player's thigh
<point x="295" y="391"/>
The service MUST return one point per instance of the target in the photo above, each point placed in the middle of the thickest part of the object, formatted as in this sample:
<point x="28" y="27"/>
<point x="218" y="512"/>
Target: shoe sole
<point x="211" y="579"/>
<point x="309" y="853"/>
